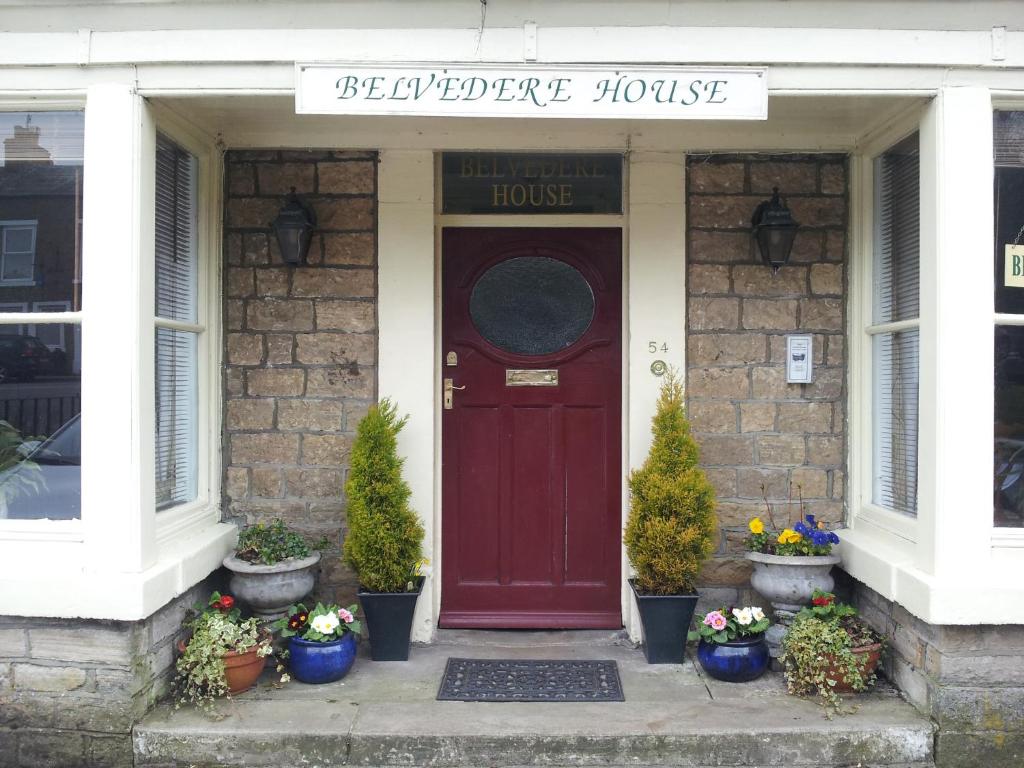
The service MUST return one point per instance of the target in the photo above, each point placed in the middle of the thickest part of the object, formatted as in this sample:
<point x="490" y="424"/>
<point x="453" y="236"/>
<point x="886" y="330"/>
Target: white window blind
<point x="895" y="335"/>
<point x="176" y="340"/>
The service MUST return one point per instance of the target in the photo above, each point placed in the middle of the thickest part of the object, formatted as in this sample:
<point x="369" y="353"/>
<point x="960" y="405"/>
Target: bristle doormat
<point x="517" y="680"/>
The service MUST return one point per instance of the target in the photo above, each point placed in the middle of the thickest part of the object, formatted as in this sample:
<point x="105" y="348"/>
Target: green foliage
<point x="671" y="526"/>
<point x="270" y="544"/>
<point x="215" y="629"/>
<point x="727" y="624"/>
<point x="20" y="475"/>
<point x="323" y="624"/>
<point x="817" y="652"/>
<point x="385" y="537"/>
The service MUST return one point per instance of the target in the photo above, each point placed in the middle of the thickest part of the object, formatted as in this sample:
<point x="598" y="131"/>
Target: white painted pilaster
<point x="405" y="312"/>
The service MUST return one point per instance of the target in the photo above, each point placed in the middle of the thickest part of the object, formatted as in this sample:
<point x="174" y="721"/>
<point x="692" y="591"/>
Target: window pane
<point x="175" y="233"/>
<point x="897" y="251"/>
<point x="40" y="209"/>
<point x="895" y="414"/>
<point x="40" y="429"/>
<point x="176" y="432"/>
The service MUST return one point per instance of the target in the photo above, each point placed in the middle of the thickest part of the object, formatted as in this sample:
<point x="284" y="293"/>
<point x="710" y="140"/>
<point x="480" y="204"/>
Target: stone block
<point x="770" y="314"/>
<point x="780" y="450"/>
<point x="320" y="483"/>
<point x="234" y="382"/>
<point x="717" y="383"/>
<point x="827" y="385"/>
<point x="337" y="283"/>
<point x="758" y="280"/>
<point x="349" y="213"/>
<point x="812" y="483"/>
<point x="984" y="749"/>
<point x="310" y="415"/>
<point x="241" y="180"/>
<point x="720" y="247"/>
<point x="769" y="383"/>
<point x="255" y="511"/>
<point x="280" y="349"/>
<point x="274" y="382"/>
<point x="53" y="749"/>
<point x="351" y="178"/>
<point x="328" y="511"/>
<point x="708" y="278"/>
<point x="304" y="155"/>
<point x="326" y="450"/>
<point x="826" y="511"/>
<point x="713" y="416"/>
<point x="711" y="598"/>
<point x="808" y="247"/>
<point x="713" y="314"/>
<point x="110" y="750"/>
<point x="821" y="314"/>
<point x="819" y="211"/>
<point x="239" y="282"/>
<point x="726" y="348"/>
<point x="251" y="212"/>
<point x="354" y="413"/>
<point x="704" y="176"/>
<point x="234" y="311"/>
<point x="978" y="708"/>
<point x="335" y="348"/>
<point x="166" y="623"/>
<point x="35" y="677"/>
<point x="350" y="316"/>
<point x="279" y="315"/>
<point x="723" y="211"/>
<point x="835" y="246"/>
<point x="790" y="176"/>
<point x="756" y="482"/>
<point x="264" y="448"/>
<point x="724" y="481"/>
<point x="91" y="642"/>
<point x="272" y="281"/>
<point x="912" y="682"/>
<point x="233" y="249"/>
<point x="836" y="350"/>
<point x="726" y="449"/>
<point x="825" y="451"/>
<point x="278" y="179"/>
<point x="267" y="482"/>
<point x="807" y="417"/>
<point x="833" y="179"/>
<point x="236" y="485"/>
<point x="244" y="349"/>
<point x="251" y="155"/>
<point x="838" y="483"/>
<point x="357" y="249"/>
<point x="341" y="381"/>
<point x="13" y="643"/>
<point x="726" y="571"/>
<point x="255" y="249"/>
<point x="827" y="279"/>
<point x="973" y="669"/>
<point x="757" y="417"/>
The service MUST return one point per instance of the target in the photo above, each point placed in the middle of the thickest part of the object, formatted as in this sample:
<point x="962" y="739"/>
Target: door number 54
<point x="653" y="347"/>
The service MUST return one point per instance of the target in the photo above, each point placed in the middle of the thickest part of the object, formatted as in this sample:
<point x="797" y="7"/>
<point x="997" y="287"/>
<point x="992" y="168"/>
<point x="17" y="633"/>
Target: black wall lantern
<point x="775" y="230"/>
<point x="294" y="229"/>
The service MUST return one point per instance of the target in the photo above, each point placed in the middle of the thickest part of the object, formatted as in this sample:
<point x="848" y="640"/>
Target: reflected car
<point x="22" y="358"/>
<point x="48" y="483"/>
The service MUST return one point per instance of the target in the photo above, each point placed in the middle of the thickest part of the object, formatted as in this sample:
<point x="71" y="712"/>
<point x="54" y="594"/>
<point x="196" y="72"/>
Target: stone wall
<point x="758" y="434"/>
<point x="71" y="689"/>
<point x="969" y="679"/>
<point x="300" y="342"/>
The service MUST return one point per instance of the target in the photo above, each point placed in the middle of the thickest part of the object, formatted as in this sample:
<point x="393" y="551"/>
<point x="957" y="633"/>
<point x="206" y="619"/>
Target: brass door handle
<point x="449" y="388"/>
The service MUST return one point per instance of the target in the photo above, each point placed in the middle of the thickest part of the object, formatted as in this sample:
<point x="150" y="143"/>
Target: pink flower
<point x="346" y="615"/>
<point x="715" y="620"/>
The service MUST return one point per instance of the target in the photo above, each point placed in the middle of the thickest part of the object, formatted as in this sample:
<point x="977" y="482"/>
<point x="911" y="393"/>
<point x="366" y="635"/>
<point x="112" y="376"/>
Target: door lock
<point x="449" y="388"/>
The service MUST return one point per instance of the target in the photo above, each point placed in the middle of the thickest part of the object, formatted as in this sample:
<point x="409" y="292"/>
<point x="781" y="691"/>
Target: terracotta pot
<point x="867" y="660"/>
<point x="242" y="670"/>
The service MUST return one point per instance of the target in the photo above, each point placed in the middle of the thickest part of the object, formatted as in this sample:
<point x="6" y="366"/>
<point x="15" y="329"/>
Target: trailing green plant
<point x="817" y="652"/>
<point x="21" y="476"/>
<point x="215" y="629"/>
<point x="384" y="541"/>
<point x="671" y="526"/>
<point x="270" y="544"/>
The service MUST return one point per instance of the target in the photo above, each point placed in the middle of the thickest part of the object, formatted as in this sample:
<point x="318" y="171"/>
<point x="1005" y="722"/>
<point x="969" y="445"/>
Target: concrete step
<point x="386" y="716"/>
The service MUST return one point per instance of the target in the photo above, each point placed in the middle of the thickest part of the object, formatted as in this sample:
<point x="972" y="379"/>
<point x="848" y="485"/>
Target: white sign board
<point x="799" y="362"/>
<point x="669" y="93"/>
<point x="1013" y="274"/>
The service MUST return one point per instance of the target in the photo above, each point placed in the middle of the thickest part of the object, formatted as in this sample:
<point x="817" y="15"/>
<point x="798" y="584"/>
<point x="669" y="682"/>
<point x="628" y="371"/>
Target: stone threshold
<point x="385" y="714"/>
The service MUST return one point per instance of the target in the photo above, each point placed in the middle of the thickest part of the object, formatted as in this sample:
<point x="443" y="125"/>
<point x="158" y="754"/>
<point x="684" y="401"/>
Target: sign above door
<point x="661" y="93"/>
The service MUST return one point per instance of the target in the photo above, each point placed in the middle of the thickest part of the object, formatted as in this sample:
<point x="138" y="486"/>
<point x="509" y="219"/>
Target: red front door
<point x="531" y="514"/>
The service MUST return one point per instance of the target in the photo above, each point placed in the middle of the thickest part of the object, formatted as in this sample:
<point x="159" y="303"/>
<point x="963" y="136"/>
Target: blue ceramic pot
<point x="737" y="661"/>
<point x="311" y="662"/>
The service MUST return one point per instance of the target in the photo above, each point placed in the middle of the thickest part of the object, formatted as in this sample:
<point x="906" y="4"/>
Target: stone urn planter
<point x="788" y="581"/>
<point x="270" y="589"/>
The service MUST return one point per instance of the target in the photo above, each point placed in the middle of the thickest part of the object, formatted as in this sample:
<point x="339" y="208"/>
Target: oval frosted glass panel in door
<point x="532" y="305"/>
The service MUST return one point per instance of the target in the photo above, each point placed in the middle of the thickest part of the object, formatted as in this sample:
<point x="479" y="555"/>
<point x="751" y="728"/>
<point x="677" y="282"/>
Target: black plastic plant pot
<point x="389" y="622"/>
<point x="665" y="620"/>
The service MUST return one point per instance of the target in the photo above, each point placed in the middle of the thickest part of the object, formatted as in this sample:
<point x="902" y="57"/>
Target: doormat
<point x="518" y="680"/>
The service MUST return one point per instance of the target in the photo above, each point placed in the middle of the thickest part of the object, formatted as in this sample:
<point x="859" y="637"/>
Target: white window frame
<point x="863" y="424"/>
<point x="33" y="226"/>
<point x="38" y="306"/>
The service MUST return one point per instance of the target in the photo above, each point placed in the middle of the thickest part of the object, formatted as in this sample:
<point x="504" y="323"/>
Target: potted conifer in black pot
<point x="670" y="530"/>
<point x="384" y="541"/>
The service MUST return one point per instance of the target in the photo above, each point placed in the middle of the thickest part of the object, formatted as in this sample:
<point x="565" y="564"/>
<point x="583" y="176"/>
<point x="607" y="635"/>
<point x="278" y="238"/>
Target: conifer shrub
<point x="384" y="541"/>
<point x="671" y="526"/>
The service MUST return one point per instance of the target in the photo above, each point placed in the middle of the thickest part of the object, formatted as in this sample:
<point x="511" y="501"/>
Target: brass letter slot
<point x="527" y="377"/>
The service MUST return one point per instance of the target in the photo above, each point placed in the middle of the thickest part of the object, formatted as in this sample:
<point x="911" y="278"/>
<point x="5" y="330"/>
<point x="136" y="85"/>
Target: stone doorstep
<point x="385" y="714"/>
